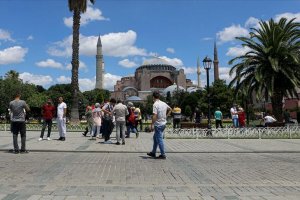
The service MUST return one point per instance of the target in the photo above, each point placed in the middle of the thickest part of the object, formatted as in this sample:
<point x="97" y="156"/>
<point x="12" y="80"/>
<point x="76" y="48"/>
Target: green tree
<point x="188" y="111"/>
<point x="272" y="66"/>
<point x="77" y="7"/>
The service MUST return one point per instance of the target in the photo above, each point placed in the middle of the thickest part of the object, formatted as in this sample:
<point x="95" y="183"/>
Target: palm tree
<point x="12" y="74"/>
<point x="272" y="66"/>
<point x="77" y="7"/>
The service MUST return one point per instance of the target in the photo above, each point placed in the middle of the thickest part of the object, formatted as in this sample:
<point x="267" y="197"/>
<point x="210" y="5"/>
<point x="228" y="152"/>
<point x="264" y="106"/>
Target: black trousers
<point x="19" y="127"/>
<point x="46" y="123"/>
<point x="219" y="123"/>
<point x="176" y="123"/>
<point x="108" y="127"/>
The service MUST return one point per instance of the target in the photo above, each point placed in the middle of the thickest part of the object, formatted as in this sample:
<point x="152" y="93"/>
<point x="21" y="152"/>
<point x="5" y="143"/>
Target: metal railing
<point x="286" y="132"/>
<point x="38" y="127"/>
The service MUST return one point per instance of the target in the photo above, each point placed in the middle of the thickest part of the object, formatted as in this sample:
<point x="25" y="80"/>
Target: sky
<point x="36" y="36"/>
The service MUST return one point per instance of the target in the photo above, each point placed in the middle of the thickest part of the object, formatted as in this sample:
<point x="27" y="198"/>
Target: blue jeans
<point x="158" y="139"/>
<point x="235" y="122"/>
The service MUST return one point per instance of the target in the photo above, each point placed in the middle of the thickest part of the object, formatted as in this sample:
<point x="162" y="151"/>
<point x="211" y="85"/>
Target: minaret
<point x="216" y="63"/>
<point x="99" y="66"/>
<point x="198" y="73"/>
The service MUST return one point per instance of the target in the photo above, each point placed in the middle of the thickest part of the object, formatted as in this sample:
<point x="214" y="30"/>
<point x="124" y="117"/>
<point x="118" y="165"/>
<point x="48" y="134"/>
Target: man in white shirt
<point x="268" y="119"/>
<point x="61" y="119"/>
<point x="234" y="116"/>
<point x="159" y="119"/>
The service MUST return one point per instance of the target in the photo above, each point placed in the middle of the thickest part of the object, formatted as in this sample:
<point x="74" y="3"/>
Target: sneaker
<point x="24" y="151"/>
<point x="137" y="134"/>
<point x="118" y="143"/>
<point x="127" y="136"/>
<point x="48" y="138"/>
<point x="123" y="143"/>
<point x="163" y="157"/>
<point x="151" y="154"/>
<point x="63" y="139"/>
<point x="14" y="151"/>
<point x="107" y="142"/>
<point x="40" y="139"/>
<point x="84" y="134"/>
<point x="59" y="138"/>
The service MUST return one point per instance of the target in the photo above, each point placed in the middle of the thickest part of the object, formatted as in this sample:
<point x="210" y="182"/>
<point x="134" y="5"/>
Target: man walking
<point x="159" y="119"/>
<point x="218" y="118"/>
<point x="48" y="111"/>
<point x="61" y="119"/>
<point x="18" y="108"/>
<point x="120" y="111"/>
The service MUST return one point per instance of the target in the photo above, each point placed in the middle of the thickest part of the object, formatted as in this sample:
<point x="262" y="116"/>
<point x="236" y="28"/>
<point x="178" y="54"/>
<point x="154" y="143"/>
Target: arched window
<point x="160" y="82"/>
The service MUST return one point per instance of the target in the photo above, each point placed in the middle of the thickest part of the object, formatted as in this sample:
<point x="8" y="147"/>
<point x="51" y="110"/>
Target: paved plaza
<point x="80" y="168"/>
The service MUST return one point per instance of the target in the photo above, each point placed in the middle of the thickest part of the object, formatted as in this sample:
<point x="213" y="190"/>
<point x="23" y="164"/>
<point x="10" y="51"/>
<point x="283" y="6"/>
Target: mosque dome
<point x="156" y="64"/>
<point x="172" y="89"/>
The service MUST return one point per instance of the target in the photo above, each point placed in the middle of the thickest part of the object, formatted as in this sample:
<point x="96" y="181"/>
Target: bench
<point x="189" y="125"/>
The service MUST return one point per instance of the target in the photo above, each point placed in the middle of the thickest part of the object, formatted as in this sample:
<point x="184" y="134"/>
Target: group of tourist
<point x="238" y="116"/>
<point x="100" y="119"/>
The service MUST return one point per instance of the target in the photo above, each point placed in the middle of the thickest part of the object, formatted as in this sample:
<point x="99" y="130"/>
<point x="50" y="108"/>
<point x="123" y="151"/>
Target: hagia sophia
<point x="155" y="74"/>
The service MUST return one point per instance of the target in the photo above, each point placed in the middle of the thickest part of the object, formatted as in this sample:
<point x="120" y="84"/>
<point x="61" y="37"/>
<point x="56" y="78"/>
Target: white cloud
<point x="252" y="22"/>
<point x="82" y="66"/>
<point x="207" y="38"/>
<point x="63" y="80"/>
<point x="110" y="80"/>
<point x="176" y="62"/>
<point x="12" y="55"/>
<point x="229" y="33"/>
<point x="190" y="70"/>
<point x="49" y="63"/>
<point x="127" y="63"/>
<point x="289" y="16"/>
<point x="30" y="37"/>
<point x="86" y="84"/>
<point x="224" y="74"/>
<point x="114" y="44"/>
<point x="237" y="51"/>
<point x="170" y="50"/>
<point x="91" y="14"/>
<point x="36" y="79"/>
<point x="5" y="35"/>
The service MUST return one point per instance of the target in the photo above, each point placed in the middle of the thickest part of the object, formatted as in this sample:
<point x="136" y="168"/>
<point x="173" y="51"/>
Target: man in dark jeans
<point x="48" y="111"/>
<point x="18" y="108"/>
<point x="107" y="124"/>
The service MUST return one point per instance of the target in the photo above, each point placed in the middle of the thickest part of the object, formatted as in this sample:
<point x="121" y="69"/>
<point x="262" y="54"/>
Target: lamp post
<point x="207" y="65"/>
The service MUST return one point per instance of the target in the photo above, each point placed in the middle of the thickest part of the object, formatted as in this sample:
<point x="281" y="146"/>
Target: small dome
<point x="134" y="98"/>
<point x="172" y="89"/>
<point x="191" y="89"/>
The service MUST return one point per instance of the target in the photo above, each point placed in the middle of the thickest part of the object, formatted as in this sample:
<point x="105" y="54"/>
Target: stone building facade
<point x="153" y="75"/>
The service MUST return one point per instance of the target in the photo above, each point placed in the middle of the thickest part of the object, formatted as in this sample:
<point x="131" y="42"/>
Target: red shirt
<point x="48" y="111"/>
<point x="242" y="118"/>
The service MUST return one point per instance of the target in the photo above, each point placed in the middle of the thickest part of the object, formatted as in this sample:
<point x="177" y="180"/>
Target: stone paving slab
<point x="195" y="169"/>
<point x="76" y="142"/>
<point x="57" y="175"/>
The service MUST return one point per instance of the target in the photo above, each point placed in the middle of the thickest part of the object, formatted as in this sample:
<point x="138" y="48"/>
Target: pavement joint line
<point x="171" y="152"/>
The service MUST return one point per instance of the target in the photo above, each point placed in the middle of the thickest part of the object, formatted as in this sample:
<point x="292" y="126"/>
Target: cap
<point x="129" y="104"/>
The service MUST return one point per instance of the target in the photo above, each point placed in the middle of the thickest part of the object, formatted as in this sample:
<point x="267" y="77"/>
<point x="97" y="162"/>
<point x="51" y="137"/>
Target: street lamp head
<point x="207" y="63"/>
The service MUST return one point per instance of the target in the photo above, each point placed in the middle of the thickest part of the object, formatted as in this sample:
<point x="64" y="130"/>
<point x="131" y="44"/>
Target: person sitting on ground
<point x="268" y="119"/>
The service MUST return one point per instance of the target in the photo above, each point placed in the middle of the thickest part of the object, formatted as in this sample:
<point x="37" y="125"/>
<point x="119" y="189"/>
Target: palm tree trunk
<point x="75" y="66"/>
<point x="277" y="105"/>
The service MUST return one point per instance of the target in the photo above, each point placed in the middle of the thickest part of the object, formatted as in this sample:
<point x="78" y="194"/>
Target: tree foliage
<point x="272" y="66"/>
